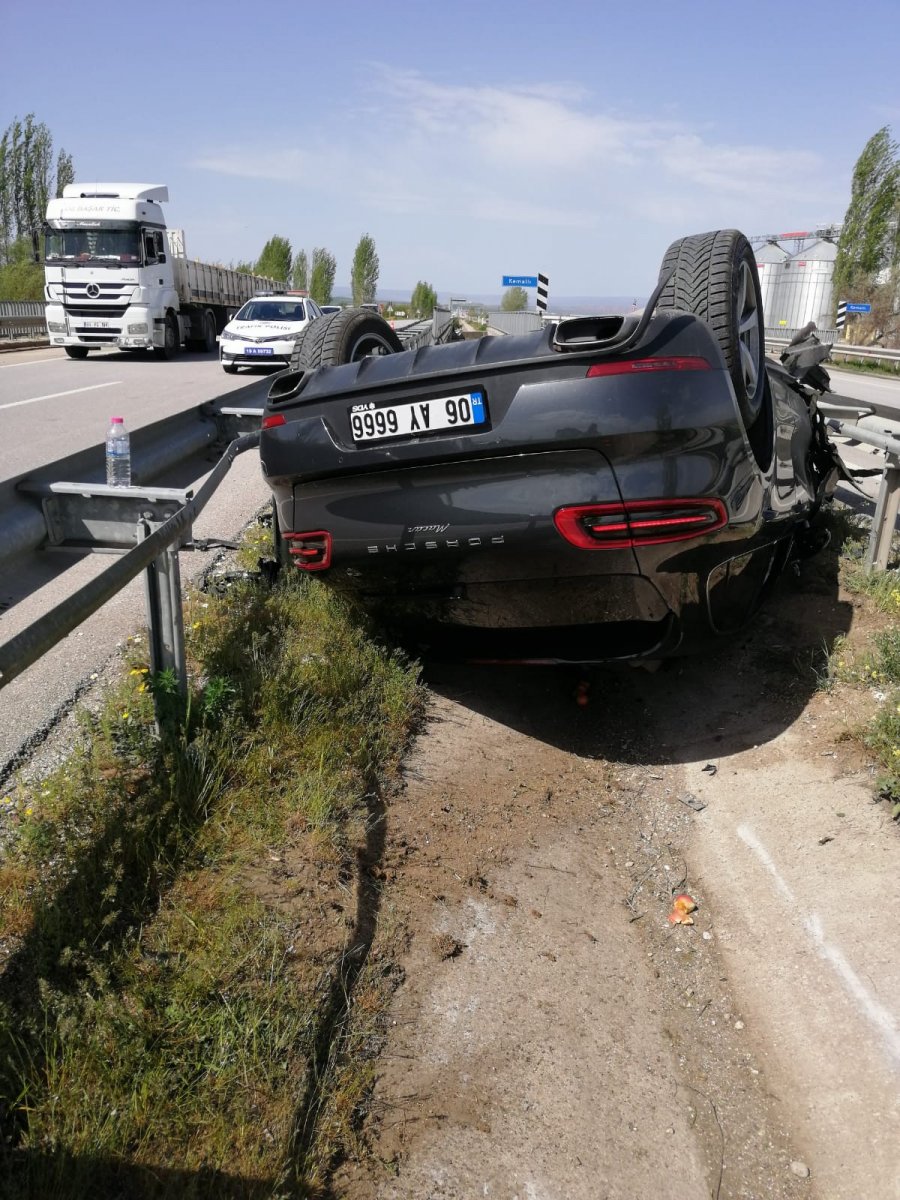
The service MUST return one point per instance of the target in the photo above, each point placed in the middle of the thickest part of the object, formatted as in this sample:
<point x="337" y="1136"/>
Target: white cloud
<point x="537" y="158"/>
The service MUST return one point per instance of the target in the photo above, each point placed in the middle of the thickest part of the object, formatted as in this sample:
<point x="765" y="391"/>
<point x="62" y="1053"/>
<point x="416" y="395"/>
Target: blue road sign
<point x="520" y="280"/>
<point x="859" y="308"/>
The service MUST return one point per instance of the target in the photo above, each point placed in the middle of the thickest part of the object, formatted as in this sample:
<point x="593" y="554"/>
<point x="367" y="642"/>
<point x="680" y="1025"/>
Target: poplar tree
<point x="300" y="272"/>
<point x="275" y="260"/>
<point x="423" y="299"/>
<point x="869" y="244"/>
<point x="321" y="282"/>
<point x="364" y="272"/>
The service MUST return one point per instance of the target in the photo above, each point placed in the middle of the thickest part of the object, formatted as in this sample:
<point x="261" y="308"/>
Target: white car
<point x="264" y="330"/>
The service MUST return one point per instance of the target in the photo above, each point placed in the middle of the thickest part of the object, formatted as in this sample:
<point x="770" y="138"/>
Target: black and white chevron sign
<point x="841" y="314"/>
<point x="543" y="288"/>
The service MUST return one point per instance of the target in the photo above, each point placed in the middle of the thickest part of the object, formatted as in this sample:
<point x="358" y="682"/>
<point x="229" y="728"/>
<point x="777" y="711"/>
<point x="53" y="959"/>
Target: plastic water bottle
<point x="118" y="454"/>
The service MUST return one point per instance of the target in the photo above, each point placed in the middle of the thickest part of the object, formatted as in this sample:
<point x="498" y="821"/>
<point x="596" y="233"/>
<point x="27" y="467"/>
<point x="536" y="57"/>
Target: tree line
<point x="29" y="177"/>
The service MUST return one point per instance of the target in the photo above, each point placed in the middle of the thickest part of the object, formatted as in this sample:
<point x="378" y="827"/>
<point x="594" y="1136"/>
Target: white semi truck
<point x="116" y="277"/>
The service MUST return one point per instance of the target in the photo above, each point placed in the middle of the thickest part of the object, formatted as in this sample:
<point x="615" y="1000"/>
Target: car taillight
<point x="641" y="366"/>
<point x="309" y="551"/>
<point x="272" y="420"/>
<point x="638" y="522"/>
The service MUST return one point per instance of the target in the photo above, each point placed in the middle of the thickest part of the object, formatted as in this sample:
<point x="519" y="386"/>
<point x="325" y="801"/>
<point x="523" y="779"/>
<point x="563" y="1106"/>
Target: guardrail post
<point x="885" y="518"/>
<point x="165" y="617"/>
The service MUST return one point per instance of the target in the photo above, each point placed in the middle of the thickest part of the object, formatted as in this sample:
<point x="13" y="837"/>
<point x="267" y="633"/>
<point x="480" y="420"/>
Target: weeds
<point x="174" y="912"/>
<point x="877" y="665"/>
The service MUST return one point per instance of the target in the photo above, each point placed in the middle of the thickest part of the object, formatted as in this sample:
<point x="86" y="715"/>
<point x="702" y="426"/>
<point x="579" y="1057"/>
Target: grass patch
<point x="186" y="914"/>
<point x="877" y="664"/>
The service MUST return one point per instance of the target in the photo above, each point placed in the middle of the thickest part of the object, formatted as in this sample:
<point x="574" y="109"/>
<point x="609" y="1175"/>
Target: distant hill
<point x="558" y="304"/>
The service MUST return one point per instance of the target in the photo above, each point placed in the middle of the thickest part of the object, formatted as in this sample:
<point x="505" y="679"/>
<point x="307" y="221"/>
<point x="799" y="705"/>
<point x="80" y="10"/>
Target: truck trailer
<point x="115" y="276"/>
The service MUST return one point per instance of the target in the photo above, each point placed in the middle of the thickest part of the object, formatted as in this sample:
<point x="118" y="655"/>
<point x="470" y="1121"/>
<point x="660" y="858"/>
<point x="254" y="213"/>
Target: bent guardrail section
<point x="882" y="433"/>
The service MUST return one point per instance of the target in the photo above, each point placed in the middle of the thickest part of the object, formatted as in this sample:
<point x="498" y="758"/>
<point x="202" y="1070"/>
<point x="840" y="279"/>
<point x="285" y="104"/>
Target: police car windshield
<point x="272" y="310"/>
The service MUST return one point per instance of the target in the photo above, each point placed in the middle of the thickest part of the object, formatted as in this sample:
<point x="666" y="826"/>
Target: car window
<point x="272" y="310"/>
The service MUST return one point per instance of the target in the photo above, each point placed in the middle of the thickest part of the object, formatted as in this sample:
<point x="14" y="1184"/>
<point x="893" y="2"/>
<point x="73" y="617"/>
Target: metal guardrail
<point x="22" y="319"/>
<point x="779" y="338"/>
<point x="154" y="522"/>
<point x="884" y="434"/>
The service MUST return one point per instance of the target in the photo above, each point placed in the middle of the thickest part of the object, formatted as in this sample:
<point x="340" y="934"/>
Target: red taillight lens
<point x="310" y="551"/>
<point x="272" y="420"/>
<point x="638" y="522"/>
<point x="641" y="366"/>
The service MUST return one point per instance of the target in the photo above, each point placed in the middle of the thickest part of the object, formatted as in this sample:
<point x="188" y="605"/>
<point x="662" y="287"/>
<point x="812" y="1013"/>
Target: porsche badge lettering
<point x="446" y="544"/>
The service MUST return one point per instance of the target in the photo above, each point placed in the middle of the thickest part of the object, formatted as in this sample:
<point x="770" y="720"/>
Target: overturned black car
<point x="606" y="488"/>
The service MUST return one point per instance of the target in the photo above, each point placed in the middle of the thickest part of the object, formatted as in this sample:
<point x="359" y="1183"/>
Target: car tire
<point x="343" y="337"/>
<point x="714" y="276"/>
<point x="229" y="368"/>
<point x="171" y="345"/>
<point x="77" y="351"/>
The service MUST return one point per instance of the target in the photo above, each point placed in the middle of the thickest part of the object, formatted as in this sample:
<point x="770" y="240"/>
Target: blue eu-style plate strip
<point x="479" y="416"/>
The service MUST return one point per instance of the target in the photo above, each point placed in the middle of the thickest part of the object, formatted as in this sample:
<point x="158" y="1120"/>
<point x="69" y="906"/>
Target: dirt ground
<point x="555" y="1035"/>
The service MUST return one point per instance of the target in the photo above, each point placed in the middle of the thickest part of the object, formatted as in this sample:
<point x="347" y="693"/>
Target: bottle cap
<point x="117" y="420"/>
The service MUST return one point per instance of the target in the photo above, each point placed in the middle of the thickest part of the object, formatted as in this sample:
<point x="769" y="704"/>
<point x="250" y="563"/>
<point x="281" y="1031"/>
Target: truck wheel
<point x="77" y="351"/>
<point x="715" y="277"/>
<point x="343" y="337"/>
<point x="208" y="341"/>
<point x="170" y="349"/>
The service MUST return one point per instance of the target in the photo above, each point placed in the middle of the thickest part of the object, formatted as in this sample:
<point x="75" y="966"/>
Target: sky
<point x="470" y="140"/>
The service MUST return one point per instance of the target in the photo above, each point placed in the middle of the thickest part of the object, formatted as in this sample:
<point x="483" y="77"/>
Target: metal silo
<point x="770" y="260"/>
<point x="805" y="289"/>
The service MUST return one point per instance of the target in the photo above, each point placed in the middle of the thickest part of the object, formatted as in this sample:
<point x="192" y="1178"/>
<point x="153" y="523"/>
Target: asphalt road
<point x="50" y="407"/>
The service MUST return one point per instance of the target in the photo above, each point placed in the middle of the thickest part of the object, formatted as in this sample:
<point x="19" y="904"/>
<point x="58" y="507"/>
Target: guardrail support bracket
<point x="885" y="518"/>
<point x="165" y="615"/>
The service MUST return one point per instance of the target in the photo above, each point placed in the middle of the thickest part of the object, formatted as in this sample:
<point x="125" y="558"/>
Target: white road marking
<point x="55" y="395"/>
<point x="29" y="363"/>
<point x="877" y="1014"/>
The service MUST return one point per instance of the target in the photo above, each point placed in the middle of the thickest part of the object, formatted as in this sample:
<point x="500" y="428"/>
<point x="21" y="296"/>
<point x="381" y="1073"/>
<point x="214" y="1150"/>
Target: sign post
<point x="541" y="282"/>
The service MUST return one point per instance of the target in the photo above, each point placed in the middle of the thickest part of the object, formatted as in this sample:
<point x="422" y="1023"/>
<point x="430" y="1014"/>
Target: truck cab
<point x="116" y="277"/>
<point x="108" y="276"/>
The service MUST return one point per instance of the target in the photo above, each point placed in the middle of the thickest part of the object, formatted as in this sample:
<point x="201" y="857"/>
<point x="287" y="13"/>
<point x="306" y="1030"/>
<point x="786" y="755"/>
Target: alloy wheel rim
<point x="747" y="321"/>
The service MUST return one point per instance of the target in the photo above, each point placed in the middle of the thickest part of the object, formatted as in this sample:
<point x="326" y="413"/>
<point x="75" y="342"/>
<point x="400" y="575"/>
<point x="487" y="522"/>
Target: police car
<point x="263" y="331"/>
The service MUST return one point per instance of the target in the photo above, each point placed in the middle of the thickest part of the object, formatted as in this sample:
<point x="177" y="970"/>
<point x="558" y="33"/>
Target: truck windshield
<point x="111" y="244"/>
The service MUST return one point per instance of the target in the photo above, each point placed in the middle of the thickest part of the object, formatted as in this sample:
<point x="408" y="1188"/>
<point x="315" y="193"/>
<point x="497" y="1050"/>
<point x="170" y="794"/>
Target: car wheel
<point x="76" y="351"/>
<point x="170" y="348"/>
<point x="343" y="337"/>
<point x="715" y="277"/>
<point x="229" y="368"/>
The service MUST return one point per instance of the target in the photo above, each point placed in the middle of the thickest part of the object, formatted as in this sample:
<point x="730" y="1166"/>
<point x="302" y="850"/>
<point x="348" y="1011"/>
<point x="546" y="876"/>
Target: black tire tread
<point x="323" y="342"/>
<point x="704" y="265"/>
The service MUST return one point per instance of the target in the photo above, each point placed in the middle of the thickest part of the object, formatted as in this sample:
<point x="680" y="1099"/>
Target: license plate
<point x="262" y="351"/>
<point x="96" y="324"/>
<point x="463" y="410"/>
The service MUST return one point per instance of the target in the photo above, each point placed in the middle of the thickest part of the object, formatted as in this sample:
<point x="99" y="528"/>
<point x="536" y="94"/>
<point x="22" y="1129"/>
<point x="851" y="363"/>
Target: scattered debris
<point x="800" y="1169"/>
<point x="447" y="946"/>
<point x="823" y="841"/>
<point x="710" y="768"/>
<point x="692" y="801"/>
<point x="682" y="907"/>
